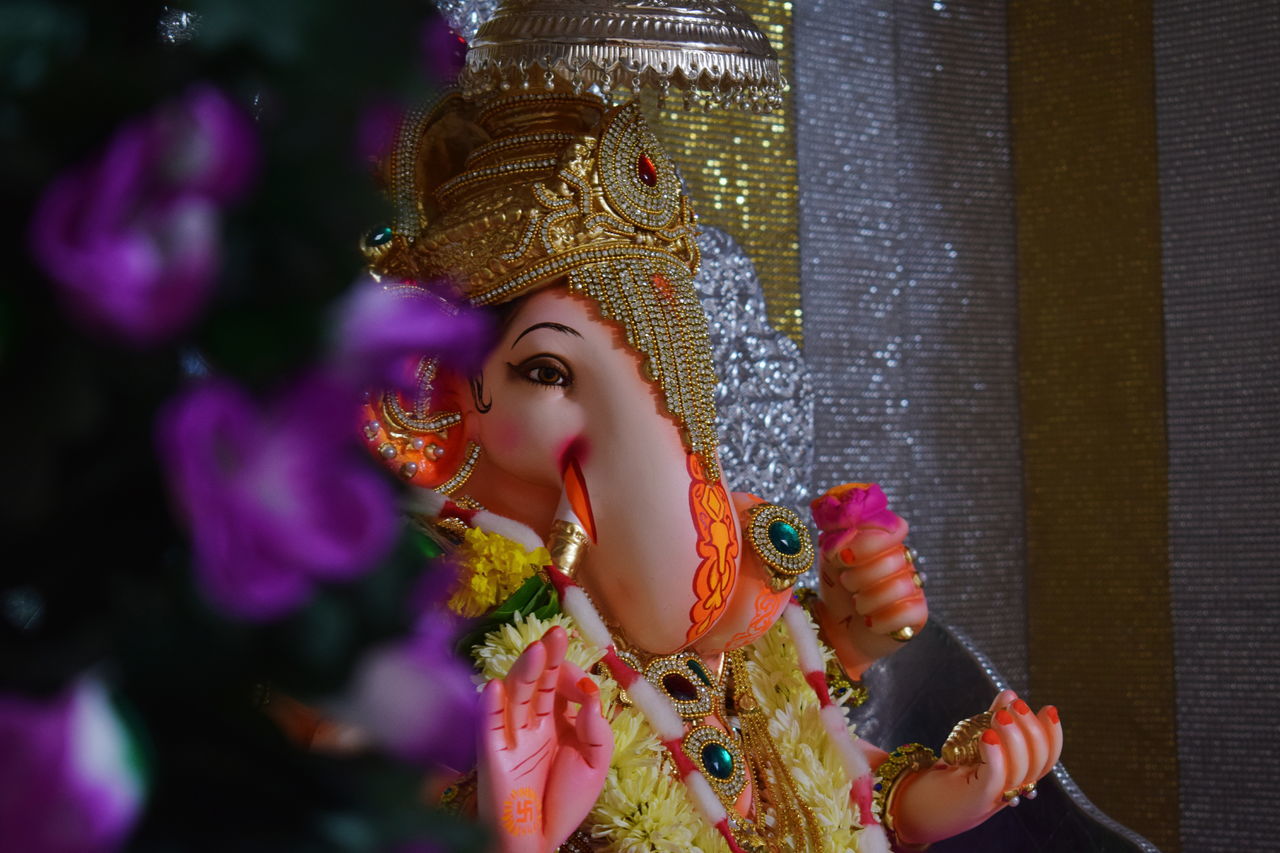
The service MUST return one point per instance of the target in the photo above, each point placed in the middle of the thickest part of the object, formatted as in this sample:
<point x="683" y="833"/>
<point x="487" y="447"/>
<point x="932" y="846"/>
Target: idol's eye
<point x="545" y="370"/>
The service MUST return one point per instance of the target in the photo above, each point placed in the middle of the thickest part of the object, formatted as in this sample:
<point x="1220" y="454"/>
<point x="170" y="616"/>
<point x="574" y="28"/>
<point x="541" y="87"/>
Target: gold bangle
<point x="906" y="759"/>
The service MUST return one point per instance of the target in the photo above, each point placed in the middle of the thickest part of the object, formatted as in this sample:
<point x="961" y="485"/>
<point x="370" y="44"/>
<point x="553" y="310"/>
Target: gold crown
<point x="510" y="195"/>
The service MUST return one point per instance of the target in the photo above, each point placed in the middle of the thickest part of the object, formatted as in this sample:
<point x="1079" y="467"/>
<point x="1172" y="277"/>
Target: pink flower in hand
<point x="851" y="505"/>
<point x="275" y="501"/>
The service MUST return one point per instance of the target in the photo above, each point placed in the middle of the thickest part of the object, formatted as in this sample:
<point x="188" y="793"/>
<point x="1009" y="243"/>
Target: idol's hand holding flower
<point x="871" y="594"/>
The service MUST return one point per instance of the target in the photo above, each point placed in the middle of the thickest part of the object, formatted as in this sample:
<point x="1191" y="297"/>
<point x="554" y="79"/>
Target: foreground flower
<point x="275" y="501"/>
<point x="384" y="329"/>
<point x="69" y="778"/>
<point x="132" y="238"/>
<point x="416" y="698"/>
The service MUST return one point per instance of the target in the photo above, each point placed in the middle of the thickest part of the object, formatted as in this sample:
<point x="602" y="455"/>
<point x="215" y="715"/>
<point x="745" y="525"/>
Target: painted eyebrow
<point x="559" y="327"/>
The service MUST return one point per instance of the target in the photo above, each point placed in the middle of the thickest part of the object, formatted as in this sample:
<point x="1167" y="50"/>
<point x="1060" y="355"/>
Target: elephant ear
<point x="418" y="432"/>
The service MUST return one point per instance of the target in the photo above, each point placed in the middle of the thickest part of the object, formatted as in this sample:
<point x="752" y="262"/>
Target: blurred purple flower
<point x="443" y="51"/>
<point x="132" y="238"/>
<point x="376" y="131"/>
<point x="69" y="779"/>
<point x="416" y="698"/>
<point x="385" y="328"/>
<point x="277" y="501"/>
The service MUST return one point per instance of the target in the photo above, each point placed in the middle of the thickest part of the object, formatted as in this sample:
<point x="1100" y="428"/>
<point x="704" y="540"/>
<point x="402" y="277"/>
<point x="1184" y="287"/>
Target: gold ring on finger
<point x="905" y="634"/>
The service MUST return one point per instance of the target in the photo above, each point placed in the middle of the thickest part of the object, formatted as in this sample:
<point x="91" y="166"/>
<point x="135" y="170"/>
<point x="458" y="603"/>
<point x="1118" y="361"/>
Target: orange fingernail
<point x="1003" y="717"/>
<point x="586" y="685"/>
<point x="990" y="736"/>
<point x="1052" y="713"/>
<point x="847" y="555"/>
<point x="1021" y="707"/>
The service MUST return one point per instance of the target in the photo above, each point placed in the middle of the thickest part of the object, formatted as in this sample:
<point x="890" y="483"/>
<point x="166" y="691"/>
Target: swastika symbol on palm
<point x="521" y="812"/>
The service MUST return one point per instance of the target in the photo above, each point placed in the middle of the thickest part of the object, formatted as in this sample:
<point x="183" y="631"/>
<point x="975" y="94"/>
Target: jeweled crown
<point x="512" y="194"/>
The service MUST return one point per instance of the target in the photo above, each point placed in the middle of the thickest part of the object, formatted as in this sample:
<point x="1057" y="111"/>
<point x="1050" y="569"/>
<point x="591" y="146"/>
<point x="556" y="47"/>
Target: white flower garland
<point x="644" y="807"/>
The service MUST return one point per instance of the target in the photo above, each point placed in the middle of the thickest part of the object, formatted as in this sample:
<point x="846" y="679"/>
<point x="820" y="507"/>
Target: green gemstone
<point x="700" y="671"/>
<point x="379" y="236"/>
<point x="785" y="538"/>
<point x="718" y="761"/>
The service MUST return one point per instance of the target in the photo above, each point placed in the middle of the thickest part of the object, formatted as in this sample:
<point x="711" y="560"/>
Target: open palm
<point x="542" y="760"/>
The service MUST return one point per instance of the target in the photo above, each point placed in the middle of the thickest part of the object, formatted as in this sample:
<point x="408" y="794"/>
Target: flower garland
<point x="492" y="568"/>
<point x="643" y="806"/>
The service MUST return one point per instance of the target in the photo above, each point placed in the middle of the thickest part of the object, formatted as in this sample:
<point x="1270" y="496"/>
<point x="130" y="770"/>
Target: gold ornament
<point x="709" y="48"/>
<point x="781" y="540"/>
<point x="790" y="825"/>
<point x="517" y="193"/>
<point x="906" y="759"/>
<point x="961" y="746"/>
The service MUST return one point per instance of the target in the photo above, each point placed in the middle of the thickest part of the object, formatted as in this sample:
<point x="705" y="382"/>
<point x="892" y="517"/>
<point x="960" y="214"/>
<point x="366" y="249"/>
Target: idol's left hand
<point x="1014" y="751"/>
<point x="872" y="597"/>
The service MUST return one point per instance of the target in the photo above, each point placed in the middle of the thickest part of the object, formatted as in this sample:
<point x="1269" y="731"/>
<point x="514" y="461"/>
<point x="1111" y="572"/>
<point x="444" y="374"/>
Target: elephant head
<point x="567" y="219"/>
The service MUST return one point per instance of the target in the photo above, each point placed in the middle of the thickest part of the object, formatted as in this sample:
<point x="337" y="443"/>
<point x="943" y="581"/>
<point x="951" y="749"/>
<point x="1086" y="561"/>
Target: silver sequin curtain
<point x="909" y="289"/>
<point x="1218" y="113"/>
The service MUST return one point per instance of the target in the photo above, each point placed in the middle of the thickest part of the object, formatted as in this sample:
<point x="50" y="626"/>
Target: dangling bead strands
<point x="855" y="765"/>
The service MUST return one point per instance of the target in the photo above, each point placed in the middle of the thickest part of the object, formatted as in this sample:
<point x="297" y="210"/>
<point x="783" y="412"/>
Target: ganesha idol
<point x="651" y="679"/>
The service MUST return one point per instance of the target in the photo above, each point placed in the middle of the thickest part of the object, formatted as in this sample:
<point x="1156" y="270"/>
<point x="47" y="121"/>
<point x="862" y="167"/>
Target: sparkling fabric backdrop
<point x="1081" y="78"/>
<point x="910" y="302"/>
<point x="1218" y="110"/>
<point x="740" y="168"/>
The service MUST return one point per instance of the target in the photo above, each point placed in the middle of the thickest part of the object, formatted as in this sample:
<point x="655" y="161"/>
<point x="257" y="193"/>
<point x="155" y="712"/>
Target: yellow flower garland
<point x="644" y="807"/>
<point x="493" y="567"/>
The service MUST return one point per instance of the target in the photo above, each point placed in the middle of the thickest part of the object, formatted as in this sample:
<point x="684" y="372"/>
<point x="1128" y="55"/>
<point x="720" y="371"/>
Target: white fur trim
<point x="657" y="710"/>
<point x="491" y="522"/>
<point x="837" y="728"/>
<point x="424" y="501"/>
<point x="806" y="641"/>
<point x="704" y="799"/>
<point x="872" y="839"/>
<point x="593" y="629"/>
<point x="429" y="502"/>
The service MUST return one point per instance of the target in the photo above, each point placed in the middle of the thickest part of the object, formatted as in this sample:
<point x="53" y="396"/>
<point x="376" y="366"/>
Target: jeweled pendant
<point x="717" y="754"/>
<point x="692" y="698"/>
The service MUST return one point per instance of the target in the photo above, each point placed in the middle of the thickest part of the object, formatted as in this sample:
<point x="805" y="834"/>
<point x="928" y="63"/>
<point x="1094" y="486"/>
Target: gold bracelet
<point x="907" y="758"/>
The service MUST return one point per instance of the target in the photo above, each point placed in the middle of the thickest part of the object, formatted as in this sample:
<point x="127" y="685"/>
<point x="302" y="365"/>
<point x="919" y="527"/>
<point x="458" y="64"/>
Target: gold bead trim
<point x="464" y="473"/>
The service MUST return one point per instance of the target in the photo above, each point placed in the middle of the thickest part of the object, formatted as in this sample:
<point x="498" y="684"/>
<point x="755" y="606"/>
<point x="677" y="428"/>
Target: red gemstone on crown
<point x="646" y="171"/>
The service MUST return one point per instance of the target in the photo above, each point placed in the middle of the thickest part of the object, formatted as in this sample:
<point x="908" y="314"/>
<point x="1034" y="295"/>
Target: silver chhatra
<point x="710" y="51"/>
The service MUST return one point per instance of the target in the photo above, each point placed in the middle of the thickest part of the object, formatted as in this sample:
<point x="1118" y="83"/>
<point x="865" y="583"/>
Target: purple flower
<point x="416" y="698"/>
<point x="385" y="328"/>
<point x="443" y="51"/>
<point x="275" y="501"/>
<point x="132" y="237"/>
<point x="69" y="782"/>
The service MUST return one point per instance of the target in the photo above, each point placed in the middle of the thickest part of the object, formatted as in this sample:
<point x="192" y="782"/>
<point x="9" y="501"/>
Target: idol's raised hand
<point x="872" y="596"/>
<point x="544" y="749"/>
